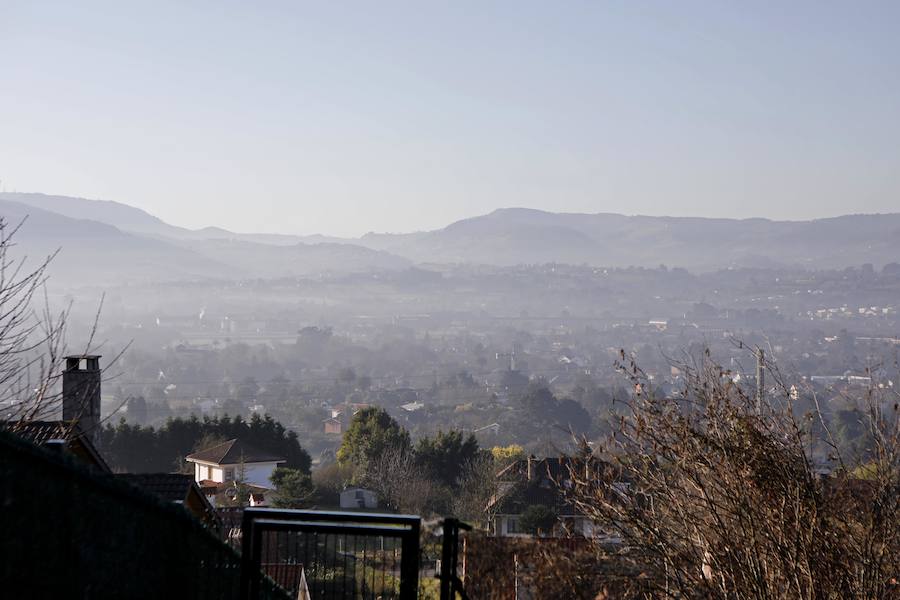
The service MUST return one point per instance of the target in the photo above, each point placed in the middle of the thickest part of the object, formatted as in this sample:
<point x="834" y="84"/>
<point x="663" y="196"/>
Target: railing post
<point x="409" y="563"/>
<point x="447" y="570"/>
<point x="249" y="570"/>
<point x="258" y="523"/>
<point x="450" y="584"/>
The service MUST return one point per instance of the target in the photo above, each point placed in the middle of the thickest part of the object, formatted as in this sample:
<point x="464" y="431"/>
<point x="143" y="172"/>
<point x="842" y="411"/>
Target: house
<point x="493" y="428"/>
<point x="177" y="488"/>
<point x="537" y="482"/>
<point x="63" y="435"/>
<point x="355" y="497"/>
<point x="77" y="431"/>
<point x="334" y="425"/>
<point x="234" y="460"/>
<point x="341" y="415"/>
<point x="659" y="324"/>
<point x="487" y="435"/>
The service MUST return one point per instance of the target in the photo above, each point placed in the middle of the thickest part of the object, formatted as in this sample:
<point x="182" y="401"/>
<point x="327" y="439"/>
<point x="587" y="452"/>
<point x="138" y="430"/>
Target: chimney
<point x="532" y="459"/>
<point x="81" y="393"/>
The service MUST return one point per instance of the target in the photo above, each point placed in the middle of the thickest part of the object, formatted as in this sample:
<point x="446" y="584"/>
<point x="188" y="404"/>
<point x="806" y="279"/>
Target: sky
<point x="344" y="117"/>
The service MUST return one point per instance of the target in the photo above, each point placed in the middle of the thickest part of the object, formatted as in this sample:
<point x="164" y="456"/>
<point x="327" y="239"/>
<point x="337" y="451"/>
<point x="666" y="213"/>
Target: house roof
<point x="544" y="484"/>
<point x="178" y="488"/>
<point x="486" y="427"/>
<point x="233" y="452"/>
<point x="41" y="432"/>
<point x="173" y="487"/>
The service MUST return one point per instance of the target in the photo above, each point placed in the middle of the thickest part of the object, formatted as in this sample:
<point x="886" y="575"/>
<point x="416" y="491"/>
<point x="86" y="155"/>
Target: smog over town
<point x="490" y="275"/>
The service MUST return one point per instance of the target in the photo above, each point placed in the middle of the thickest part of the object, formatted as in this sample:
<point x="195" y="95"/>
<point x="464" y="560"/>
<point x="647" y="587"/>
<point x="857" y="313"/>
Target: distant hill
<point x="121" y="216"/>
<point x="513" y="236"/>
<point x="96" y="253"/>
<point x="517" y="235"/>
<point x="134" y="220"/>
<point x="269" y="261"/>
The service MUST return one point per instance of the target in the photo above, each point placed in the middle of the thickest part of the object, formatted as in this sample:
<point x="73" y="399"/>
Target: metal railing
<point x="108" y="538"/>
<point x="450" y="582"/>
<point x="331" y="554"/>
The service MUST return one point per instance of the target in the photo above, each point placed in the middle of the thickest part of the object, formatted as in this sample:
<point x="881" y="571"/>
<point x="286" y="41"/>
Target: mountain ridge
<point x="98" y="253"/>
<point x="85" y="250"/>
<point x="516" y="235"/>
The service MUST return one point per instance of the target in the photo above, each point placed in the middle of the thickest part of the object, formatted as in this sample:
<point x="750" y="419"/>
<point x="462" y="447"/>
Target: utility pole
<point x="760" y="379"/>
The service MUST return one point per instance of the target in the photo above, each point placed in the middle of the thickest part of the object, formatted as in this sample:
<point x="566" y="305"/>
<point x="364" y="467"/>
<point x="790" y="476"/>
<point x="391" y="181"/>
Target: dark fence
<point x="67" y="531"/>
<point x="451" y="583"/>
<point x="231" y="519"/>
<point x="332" y="554"/>
<point x="72" y="531"/>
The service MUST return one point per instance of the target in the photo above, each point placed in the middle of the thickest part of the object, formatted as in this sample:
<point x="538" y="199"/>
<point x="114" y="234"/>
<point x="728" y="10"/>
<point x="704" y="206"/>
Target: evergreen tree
<point x="293" y="488"/>
<point x="139" y="449"/>
<point x="445" y="456"/>
<point x="372" y="431"/>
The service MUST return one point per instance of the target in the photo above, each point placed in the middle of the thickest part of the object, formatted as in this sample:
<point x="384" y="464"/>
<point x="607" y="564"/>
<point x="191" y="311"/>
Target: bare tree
<point x="32" y="337"/>
<point x="716" y="496"/>
<point x="479" y="492"/>
<point x="399" y="482"/>
<point x="32" y="343"/>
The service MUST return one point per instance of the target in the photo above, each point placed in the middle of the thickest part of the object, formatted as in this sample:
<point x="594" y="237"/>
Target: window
<point x="512" y="525"/>
<point x="229" y="474"/>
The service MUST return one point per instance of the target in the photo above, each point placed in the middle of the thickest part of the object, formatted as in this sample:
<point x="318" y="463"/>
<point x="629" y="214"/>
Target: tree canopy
<point x="293" y="488"/>
<point x="445" y="456"/>
<point x="542" y="408"/>
<point x="139" y="449"/>
<point x="371" y="433"/>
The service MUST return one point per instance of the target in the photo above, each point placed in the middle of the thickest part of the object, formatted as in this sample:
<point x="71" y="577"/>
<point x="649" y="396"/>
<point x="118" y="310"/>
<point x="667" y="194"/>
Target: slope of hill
<point x="269" y="261"/>
<point x="512" y="236"/>
<point x="134" y="220"/>
<point x="121" y="216"/>
<point x="96" y="253"/>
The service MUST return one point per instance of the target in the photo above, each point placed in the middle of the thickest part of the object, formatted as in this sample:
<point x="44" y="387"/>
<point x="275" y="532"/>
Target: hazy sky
<point x="342" y="117"/>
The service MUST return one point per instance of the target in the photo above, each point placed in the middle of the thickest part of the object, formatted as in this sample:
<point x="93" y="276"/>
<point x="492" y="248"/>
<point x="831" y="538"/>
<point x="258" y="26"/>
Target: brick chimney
<point x="532" y="462"/>
<point x="81" y="393"/>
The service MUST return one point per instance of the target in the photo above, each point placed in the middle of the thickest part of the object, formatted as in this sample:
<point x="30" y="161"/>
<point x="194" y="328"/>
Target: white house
<point x="234" y="460"/>
<point x="358" y="498"/>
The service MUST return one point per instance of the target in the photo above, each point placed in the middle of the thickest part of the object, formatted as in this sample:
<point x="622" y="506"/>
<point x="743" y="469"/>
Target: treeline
<point x="138" y="449"/>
